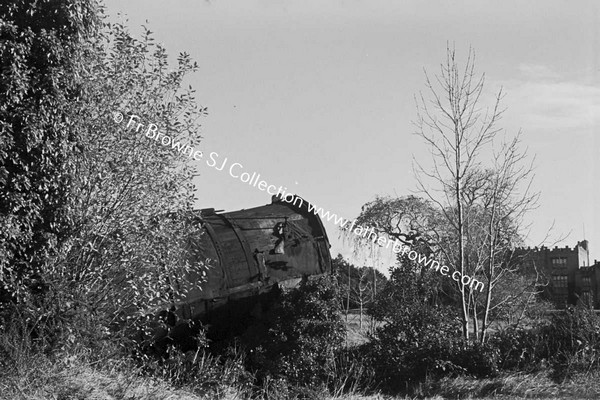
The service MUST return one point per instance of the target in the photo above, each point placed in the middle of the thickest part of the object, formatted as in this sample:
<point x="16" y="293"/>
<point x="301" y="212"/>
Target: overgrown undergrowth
<point x="300" y="352"/>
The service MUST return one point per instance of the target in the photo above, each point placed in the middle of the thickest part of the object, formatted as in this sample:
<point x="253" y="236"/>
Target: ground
<point x="75" y="379"/>
<point x="81" y="382"/>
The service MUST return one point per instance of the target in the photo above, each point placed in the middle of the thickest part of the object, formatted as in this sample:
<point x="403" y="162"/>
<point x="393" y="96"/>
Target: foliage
<point x="97" y="223"/>
<point x="410" y="219"/>
<point x="41" y="76"/>
<point x="304" y="336"/>
<point x="79" y="372"/>
<point x="569" y="343"/>
<point x="419" y="339"/>
<point x="131" y="196"/>
<point x="357" y="282"/>
<point x="573" y="341"/>
<point x="409" y="285"/>
<point x="478" y="181"/>
<point x="420" y="343"/>
<point x="519" y="349"/>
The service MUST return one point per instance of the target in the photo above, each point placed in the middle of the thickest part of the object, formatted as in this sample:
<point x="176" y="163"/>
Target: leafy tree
<point x="413" y="221"/>
<point x="40" y="53"/>
<point x="121" y="199"/>
<point x="409" y="219"/>
<point x="133" y="247"/>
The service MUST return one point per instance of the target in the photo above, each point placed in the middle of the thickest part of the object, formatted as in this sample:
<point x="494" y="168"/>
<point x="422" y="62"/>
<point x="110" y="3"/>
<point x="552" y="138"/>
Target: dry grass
<point x="513" y="386"/>
<point x="76" y="372"/>
<point x="74" y="380"/>
<point x="506" y="387"/>
<point x="356" y="334"/>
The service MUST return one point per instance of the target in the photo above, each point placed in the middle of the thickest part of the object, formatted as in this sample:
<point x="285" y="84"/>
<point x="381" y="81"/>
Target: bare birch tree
<point x="362" y="293"/>
<point x="479" y="202"/>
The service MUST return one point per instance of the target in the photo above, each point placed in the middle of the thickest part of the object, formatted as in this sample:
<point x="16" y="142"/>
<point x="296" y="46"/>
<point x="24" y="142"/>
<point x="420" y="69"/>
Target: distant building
<point x="566" y="272"/>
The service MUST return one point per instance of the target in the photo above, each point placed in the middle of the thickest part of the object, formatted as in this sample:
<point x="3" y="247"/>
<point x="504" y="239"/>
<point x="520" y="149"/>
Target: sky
<point x="318" y="96"/>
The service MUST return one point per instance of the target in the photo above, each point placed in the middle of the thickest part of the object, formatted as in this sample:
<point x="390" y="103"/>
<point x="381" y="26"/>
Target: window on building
<point x="560" y="281"/>
<point x="587" y="281"/>
<point x="559" y="262"/>
<point x="586" y="299"/>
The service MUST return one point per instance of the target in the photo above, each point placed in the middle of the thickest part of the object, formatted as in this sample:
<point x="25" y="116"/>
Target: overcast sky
<point x="318" y="96"/>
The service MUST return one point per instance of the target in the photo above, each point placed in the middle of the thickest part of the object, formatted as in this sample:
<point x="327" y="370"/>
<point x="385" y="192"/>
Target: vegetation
<point x="482" y="203"/>
<point x="95" y="221"/>
<point x="419" y="339"/>
<point x="358" y="286"/>
<point x="100" y="255"/>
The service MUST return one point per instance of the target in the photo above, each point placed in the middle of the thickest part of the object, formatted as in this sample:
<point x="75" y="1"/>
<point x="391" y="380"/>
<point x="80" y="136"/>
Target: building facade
<point x="567" y="276"/>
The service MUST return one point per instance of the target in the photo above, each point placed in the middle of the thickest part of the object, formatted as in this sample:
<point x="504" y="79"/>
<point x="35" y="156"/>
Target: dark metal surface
<point x="251" y="251"/>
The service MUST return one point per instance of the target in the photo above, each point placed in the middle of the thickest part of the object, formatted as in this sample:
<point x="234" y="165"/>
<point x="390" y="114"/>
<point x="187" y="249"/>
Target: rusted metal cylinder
<point x="254" y="250"/>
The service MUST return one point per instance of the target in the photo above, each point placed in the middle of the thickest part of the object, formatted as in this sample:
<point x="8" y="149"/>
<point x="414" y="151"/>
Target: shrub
<point x="573" y="341"/>
<point x="303" y="336"/>
<point x="418" y="339"/>
<point x="423" y="343"/>
<point x="480" y="360"/>
<point x="569" y="343"/>
<point x="519" y="349"/>
<point x="41" y="75"/>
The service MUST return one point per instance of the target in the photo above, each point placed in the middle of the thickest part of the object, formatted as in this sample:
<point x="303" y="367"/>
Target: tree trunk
<point x="348" y="295"/>
<point x="488" y="291"/>
<point x="475" y="321"/>
<point x="461" y="244"/>
<point x="360" y="317"/>
<point x="373" y="293"/>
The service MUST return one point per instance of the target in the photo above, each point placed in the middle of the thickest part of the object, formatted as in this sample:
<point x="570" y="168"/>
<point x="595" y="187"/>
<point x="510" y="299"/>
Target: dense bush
<point x="425" y="342"/>
<point x="417" y="339"/>
<point x="41" y="48"/>
<point x="294" y="351"/>
<point x="520" y="349"/>
<point x="572" y="342"/>
<point x="568" y="343"/>
<point x="303" y="336"/>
